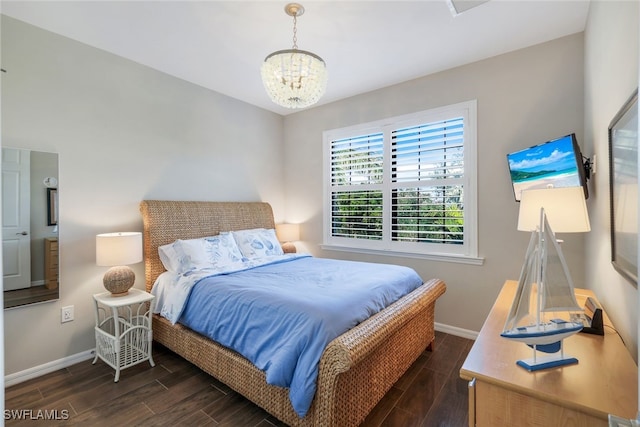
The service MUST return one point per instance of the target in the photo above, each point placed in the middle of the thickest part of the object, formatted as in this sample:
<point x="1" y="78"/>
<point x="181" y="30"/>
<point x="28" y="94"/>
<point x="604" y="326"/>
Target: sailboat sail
<point x="558" y="292"/>
<point x="521" y="307"/>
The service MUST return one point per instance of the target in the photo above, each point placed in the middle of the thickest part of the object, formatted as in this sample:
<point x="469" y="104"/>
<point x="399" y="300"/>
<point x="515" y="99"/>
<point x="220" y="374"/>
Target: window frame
<point x="467" y="252"/>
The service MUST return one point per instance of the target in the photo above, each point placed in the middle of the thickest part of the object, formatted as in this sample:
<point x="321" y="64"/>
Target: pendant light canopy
<point x="294" y="78"/>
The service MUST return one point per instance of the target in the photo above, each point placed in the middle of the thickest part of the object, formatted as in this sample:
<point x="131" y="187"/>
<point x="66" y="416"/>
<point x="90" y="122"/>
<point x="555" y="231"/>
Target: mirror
<point x="29" y="226"/>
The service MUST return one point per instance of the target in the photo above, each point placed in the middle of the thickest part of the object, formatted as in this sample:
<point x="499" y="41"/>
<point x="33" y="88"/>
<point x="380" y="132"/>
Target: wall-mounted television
<point x="555" y="163"/>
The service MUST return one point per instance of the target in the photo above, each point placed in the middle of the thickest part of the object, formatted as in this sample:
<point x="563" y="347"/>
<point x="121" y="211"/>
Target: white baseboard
<point x="38" y="371"/>
<point x="454" y="330"/>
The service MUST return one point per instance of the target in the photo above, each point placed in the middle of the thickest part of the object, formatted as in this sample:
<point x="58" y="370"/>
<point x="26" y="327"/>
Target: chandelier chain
<point x="295" y="32"/>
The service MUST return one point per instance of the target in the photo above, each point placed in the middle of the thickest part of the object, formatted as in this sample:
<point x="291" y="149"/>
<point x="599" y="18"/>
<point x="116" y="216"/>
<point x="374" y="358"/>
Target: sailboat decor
<point x="545" y="290"/>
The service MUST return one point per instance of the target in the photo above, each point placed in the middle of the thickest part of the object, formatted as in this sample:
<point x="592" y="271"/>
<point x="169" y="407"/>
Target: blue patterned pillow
<point x="217" y="252"/>
<point x="258" y="242"/>
<point x="222" y="250"/>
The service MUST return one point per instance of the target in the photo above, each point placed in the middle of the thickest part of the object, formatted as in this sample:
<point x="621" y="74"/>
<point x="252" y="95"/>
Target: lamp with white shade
<point x="287" y="234"/>
<point x="118" y="251"/>
<point x="565" y="209"/>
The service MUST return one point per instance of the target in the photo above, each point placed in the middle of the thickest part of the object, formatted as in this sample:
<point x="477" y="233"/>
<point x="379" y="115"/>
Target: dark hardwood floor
<point x="175" y="392"/>
<point x="29" y="296"/>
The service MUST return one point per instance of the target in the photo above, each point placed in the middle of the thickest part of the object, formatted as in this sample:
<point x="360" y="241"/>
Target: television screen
<point x="556" y="163"/>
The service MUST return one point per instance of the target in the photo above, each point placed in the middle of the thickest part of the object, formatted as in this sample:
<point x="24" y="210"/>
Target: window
<point x="405" y="185"/>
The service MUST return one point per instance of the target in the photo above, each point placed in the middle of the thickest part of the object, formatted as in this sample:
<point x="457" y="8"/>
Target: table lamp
<point x="565" y="208"/>
<point x="118" y="251"/>
<point x="287" y="234"/>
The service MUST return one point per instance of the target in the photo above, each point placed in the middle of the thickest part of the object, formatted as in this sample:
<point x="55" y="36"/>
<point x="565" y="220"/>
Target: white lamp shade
<point x="288" y="232"/>
<point x="118" y="248"/>
<point x="565" y="208"/>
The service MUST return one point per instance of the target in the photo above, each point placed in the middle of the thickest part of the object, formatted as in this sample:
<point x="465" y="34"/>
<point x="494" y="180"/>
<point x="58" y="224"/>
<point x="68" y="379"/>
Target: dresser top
<point x="605" y="380"/>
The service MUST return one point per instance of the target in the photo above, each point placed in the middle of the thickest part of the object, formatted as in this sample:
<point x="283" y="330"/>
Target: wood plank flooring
<point x="177" y="393"/>
<point x="29" y="296"/>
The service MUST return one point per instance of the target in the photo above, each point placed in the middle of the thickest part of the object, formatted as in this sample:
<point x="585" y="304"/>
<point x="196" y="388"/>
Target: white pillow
<point x="194" y="254"/>
<point x="258" y="242"/>
<point x="169" y="257"/>
<point x="182" y="255"/>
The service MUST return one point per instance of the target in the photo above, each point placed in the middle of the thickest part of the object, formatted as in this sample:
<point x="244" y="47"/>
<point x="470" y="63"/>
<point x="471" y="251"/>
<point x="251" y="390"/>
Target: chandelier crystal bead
<point x="294" y="78"/>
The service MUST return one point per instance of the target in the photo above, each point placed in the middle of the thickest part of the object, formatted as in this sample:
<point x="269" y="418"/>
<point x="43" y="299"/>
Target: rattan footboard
<point x="356" y="369"/>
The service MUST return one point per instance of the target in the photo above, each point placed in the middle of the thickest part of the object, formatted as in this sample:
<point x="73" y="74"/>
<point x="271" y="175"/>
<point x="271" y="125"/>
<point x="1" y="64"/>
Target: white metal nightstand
<point x="123" y="329"/>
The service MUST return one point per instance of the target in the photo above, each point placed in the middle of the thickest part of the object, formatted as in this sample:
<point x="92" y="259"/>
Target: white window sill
<point x="459" y="259"/>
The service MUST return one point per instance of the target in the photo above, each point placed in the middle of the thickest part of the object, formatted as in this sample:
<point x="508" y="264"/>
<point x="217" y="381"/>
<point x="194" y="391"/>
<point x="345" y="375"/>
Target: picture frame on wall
<point x="623" y="189"/>
<point x="52" y="206"/>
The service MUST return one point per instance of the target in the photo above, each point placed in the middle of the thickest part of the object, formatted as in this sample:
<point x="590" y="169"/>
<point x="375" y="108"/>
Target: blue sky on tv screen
<point x="555" y="155"/>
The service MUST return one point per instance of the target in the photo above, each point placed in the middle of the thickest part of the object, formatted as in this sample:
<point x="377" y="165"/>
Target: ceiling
<point x="367" y="45"/>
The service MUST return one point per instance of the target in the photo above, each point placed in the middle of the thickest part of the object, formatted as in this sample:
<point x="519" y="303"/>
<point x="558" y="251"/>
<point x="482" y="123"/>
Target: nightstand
<point x="123" y="329"/>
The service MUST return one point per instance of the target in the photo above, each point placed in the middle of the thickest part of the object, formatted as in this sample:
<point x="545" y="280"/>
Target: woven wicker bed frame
<point x="356" y="369"/>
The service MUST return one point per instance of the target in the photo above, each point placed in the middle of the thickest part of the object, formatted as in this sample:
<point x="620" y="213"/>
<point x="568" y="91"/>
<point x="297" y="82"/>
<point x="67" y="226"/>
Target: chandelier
<point x="294" y="78"/>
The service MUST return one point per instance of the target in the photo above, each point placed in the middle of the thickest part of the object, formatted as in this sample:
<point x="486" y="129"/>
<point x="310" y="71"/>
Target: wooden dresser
<point x="605" y="380"/>
<point x="51" y="262"/>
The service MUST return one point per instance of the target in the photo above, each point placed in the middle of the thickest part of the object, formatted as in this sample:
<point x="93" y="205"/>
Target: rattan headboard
<point x="165" y="221"/>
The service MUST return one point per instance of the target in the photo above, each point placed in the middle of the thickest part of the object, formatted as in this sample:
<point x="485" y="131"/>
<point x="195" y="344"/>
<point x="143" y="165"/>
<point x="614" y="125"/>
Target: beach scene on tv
<point x="552" y="164"/>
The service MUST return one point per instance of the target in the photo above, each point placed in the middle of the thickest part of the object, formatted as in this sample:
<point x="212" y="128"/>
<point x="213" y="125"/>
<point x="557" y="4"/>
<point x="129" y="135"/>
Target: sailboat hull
<point x="544" y="334"/>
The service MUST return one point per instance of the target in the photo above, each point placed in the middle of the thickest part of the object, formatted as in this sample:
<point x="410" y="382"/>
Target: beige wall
<point x="124" y="133"/>
<point x="611" y="64"/>
<point x="524" y="98"/>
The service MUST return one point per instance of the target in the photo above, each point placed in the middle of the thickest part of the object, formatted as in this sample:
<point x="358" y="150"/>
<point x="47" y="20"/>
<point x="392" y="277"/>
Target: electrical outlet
<point x="66" y="314"/>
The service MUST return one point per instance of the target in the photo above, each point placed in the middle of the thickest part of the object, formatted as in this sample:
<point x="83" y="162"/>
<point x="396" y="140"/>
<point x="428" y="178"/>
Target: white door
<point x="16" y="240"/>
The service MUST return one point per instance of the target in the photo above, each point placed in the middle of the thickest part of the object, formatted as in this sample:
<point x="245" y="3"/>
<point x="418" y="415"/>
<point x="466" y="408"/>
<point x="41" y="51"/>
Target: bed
<point x="356" y="369"/>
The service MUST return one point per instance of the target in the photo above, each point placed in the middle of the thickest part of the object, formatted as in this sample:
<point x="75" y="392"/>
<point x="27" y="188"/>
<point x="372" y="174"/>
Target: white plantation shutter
<point x="356" y="187"/>
<point x="427" y="170"/>
<point x="357" y="161"/>
<point x="405" y="184"/>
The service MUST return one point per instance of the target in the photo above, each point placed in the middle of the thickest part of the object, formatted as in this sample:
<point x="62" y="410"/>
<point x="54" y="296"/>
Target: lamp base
<point x="118" y="280"/>
<point x="288" y="248"/>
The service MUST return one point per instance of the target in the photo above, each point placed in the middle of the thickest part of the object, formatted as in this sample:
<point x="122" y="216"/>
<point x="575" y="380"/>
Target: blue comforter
<point x="281" y="316"/>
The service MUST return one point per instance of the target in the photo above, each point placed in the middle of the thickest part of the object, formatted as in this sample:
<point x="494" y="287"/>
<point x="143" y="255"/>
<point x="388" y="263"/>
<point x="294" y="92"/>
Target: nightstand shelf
<point x="123" y="329"/>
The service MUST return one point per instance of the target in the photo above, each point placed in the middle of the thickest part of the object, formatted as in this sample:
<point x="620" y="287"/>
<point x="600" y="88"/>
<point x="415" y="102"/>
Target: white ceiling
<point x="367" y="45"/>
